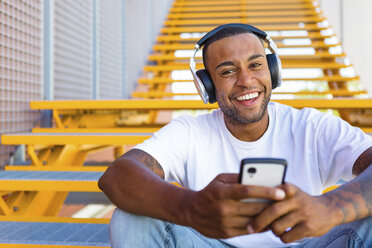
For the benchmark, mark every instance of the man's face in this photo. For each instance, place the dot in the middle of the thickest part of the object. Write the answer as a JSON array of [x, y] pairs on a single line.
[[240, 73]]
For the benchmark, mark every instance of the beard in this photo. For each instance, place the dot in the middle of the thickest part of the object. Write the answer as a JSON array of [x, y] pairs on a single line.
[[236, 118]]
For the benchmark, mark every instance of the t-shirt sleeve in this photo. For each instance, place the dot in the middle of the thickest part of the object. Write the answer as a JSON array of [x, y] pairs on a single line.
[[169, 146], [339, 145]]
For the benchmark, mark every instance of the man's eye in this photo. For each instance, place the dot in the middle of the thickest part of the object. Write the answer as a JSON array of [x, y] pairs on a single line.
[[254, 65], [227, 72]]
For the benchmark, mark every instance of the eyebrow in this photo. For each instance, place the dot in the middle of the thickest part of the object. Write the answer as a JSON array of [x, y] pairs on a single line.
[[227, 63]]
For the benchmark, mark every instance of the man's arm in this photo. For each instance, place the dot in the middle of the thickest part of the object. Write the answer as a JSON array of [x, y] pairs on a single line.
[[134, 183], [316, 215], [354, 198]]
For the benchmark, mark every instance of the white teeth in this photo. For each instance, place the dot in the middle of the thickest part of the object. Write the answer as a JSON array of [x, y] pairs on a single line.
[[248, 96]]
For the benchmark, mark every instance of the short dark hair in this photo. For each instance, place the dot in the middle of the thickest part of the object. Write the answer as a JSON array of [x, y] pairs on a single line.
[[224, 33]]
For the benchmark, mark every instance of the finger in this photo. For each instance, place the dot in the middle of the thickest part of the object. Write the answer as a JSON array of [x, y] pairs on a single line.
[[250, 209], [270, 214], [235, 232], [289, 189], [228, 178], [239, 222], [240, 192], [281, 225], [296, 233]]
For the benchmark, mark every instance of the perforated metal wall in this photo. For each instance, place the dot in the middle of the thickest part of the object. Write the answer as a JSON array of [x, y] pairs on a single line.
[[73, 49], [353, 20], [33, 31], [110, 49], [143, 20], [20, 66]]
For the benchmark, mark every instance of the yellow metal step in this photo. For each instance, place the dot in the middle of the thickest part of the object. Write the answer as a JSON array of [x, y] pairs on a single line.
[[193, 40], [336, 78], [235, 14], [286, 64], [174, 47], [93, 168], [226, 6], [248, 19], [136, 129], [73, 139], [239, 2], [154, 94], [268, 27], [319, 56], [339, 103], [56, 181]]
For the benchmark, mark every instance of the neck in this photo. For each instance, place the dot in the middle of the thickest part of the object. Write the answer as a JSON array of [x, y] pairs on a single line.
[[248, 132]]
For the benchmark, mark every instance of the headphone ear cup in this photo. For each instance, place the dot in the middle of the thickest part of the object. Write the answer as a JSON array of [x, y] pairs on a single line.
[[206, 79], [274, 69]]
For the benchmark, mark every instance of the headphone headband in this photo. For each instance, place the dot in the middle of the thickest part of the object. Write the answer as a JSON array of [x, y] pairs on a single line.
[[254, 30]]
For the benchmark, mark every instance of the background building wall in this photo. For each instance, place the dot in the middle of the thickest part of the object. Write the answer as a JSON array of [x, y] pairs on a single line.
[[67, 49], [110, 49], [72, 49], [20, 66], [351, 20], [143, 22]]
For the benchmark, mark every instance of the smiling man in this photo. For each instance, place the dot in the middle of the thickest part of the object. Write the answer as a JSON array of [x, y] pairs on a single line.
[[203, 155]]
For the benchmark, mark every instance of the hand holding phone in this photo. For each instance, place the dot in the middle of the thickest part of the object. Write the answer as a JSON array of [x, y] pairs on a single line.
[[269, 172]]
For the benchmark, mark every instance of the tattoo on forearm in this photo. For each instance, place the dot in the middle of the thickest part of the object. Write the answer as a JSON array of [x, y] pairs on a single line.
[[355, 197], [147, 160], [364, 160]]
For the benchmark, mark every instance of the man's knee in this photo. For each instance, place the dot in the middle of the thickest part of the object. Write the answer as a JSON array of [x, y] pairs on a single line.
[[127, 230]]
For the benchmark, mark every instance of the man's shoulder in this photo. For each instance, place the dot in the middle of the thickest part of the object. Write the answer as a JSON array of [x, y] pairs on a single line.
[[204, 119], [295, 117], [284, 109]]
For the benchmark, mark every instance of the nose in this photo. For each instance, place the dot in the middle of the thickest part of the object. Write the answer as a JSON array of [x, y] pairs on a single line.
[[245, 78]]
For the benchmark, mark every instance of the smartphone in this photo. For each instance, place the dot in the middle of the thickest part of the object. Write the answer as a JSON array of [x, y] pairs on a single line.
[[268, 172]]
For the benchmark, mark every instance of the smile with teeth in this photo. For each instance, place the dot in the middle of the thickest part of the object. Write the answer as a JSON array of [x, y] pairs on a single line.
[[247, 96]]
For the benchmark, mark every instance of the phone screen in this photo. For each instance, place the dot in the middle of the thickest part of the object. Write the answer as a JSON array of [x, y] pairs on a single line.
[[269, 172]]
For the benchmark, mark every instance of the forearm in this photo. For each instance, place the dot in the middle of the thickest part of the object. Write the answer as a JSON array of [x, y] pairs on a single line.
[[136, 189], [353, 200]]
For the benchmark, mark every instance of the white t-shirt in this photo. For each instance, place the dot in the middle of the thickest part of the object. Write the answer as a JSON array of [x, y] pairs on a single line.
[[320, 150]]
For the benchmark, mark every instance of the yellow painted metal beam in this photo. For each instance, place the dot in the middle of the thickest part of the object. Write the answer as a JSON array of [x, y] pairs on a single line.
[[93, 168], [287, 64], [73, 139], [190, 104], [52, 185], [47, 246], [310, 58], [55, 219], [136, 129], [241, 7], [225, 14], [239, 2], [275, 36], [175, 47], [268, 27], [154, 94], [248, 19], [325, 78]]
